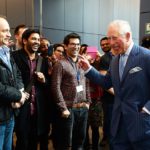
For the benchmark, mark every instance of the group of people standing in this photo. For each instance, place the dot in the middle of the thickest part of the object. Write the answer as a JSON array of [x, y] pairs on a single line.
[[27, 82], [36, 89]]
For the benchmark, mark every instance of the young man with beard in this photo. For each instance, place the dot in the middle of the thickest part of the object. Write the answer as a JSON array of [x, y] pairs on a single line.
[[71, 95], [107, 57], [32, 122], [44, 46], [11, 88], [107, 98]]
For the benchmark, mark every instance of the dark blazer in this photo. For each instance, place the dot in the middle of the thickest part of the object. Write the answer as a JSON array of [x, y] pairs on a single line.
[[105, 61], [10, 83], [131, 93], [42, 101]]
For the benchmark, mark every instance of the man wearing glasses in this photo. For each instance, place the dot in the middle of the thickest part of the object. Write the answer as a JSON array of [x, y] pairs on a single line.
[[71, 95]]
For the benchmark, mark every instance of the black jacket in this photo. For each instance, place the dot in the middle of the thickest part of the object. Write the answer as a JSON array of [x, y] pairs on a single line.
[[42, 100], [10, 83]]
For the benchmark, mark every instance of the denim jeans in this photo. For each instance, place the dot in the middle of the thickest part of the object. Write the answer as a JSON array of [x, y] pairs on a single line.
[[6, 133], [71, 131]]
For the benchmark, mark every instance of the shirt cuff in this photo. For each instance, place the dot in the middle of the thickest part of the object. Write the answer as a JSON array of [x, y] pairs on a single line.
[[88, 70], [146, 110]]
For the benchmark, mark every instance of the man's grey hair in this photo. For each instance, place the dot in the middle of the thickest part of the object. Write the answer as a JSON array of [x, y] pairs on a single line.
[[122, 25]]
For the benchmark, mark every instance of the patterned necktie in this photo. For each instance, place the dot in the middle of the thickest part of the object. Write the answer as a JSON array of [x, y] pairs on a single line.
[[122, 63]]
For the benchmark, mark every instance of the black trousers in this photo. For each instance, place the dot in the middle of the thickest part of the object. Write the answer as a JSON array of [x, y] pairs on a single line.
[[27, 138]]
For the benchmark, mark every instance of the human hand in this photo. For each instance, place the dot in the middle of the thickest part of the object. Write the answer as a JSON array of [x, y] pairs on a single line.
[[87, 105], [25, 96], [83, 63], [40, 77], [65, 113], [16, 105], [145, 111], [142, 111]]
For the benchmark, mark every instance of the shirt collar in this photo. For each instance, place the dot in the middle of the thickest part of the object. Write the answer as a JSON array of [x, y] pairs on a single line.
[[4, 49], [129, 49]]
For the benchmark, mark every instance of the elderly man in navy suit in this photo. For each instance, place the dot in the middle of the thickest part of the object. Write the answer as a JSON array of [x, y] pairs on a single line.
[[129, 75]]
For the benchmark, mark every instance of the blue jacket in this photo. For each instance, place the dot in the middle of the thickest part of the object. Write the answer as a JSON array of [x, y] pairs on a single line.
[[132, 93]]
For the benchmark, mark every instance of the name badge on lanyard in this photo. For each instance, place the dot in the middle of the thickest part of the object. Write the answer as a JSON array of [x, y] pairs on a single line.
[[79, 88]]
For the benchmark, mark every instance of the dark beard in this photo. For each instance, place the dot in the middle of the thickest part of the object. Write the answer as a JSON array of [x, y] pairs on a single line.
[[30, 50]]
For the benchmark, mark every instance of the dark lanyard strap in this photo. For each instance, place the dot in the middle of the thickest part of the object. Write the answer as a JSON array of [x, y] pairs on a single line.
[[74, 66]]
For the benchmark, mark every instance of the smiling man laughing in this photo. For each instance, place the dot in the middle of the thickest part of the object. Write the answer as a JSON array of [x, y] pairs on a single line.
[[71, 95], [32, 122]]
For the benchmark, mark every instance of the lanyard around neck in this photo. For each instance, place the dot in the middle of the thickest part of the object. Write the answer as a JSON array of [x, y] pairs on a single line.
[[75, 67]]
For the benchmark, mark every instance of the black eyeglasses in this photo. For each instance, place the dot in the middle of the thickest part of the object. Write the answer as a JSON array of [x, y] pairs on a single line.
[[74, 44]]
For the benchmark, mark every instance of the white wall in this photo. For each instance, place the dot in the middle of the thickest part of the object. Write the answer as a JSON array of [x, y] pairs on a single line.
[[17, 12], [89, 18]]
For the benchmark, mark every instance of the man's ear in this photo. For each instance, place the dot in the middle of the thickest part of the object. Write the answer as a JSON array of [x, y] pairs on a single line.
[[24, 41], [16, 36], [65, 46], [128, 36]]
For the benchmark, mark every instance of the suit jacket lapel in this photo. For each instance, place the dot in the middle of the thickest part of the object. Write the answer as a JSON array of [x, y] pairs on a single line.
[[130, 62]]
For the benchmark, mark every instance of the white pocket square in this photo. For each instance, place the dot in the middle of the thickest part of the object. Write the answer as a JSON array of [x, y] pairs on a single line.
[[135, 69]]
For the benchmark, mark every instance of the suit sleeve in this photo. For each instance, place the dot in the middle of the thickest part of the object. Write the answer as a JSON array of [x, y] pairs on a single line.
[[97, 78]]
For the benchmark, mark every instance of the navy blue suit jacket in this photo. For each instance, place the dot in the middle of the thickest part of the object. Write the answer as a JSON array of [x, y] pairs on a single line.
[[132, 93]]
